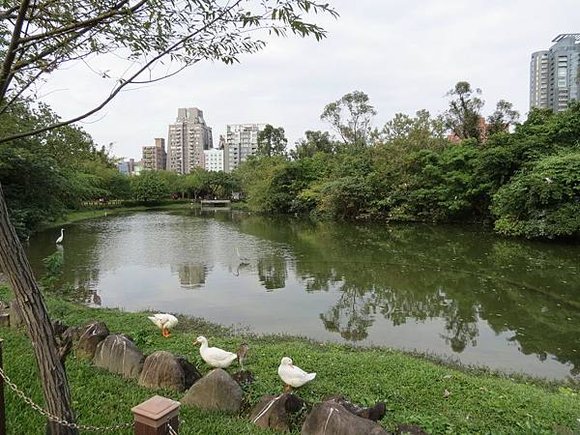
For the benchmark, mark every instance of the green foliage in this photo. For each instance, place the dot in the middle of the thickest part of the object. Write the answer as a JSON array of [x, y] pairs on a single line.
[[150, 187], [543, 201], [53, 264], [350, 116], [315, 142], [463, 117], [415, 173], [271, 142]]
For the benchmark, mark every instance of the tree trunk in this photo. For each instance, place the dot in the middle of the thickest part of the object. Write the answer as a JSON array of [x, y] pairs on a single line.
[[15, 265]]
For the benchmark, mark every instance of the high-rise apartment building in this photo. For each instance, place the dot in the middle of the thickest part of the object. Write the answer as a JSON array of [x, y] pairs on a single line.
[[187, 138], [154, 157], [555, 74], [213, 160], [241, 142]]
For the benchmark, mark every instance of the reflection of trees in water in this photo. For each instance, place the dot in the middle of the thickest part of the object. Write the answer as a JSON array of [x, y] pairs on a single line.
[[352, 315], [272, 271], [423, 272]]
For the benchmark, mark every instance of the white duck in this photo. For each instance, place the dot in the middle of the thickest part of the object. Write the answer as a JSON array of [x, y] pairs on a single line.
[[293, 376], [214, 356], [164, 321]]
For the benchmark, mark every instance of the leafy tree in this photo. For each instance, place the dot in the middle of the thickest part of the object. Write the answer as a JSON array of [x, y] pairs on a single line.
[[502, 118], [39, 37], [351, 116], [150, 186], [463, 117], [271, 142], [543, 201], [315, 142], [418, 132]]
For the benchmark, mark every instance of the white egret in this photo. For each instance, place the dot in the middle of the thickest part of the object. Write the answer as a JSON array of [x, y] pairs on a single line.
[[59, 240]]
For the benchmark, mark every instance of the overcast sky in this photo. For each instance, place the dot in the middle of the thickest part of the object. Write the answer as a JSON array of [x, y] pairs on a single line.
[[404, 54]]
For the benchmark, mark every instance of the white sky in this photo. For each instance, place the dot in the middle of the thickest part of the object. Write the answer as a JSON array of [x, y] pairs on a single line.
[[405, 54]]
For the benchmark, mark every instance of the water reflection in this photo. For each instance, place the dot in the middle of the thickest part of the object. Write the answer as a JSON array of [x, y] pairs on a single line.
[[507, 304]]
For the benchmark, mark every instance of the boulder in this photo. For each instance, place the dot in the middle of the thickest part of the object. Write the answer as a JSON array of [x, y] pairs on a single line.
[[216, 391], [16, 318], [118, 354], [93, 334], [274, 411], [332, 418], [192, 375], [4, 320], [374, 413], [243, 377], [162, 369]]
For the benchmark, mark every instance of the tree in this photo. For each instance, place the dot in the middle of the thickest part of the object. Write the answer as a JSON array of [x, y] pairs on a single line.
[[39, 37], [542, 201], [502, 118], [414, 133], [355, 128], [150, 187], [271, 142], [315, 142], [463, 117]]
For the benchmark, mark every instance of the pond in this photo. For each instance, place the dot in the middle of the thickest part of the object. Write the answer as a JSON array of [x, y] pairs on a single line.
[[460, 293]]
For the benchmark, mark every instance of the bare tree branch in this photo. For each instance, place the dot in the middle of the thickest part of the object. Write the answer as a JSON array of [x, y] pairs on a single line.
[[6, 74], [124, 83]]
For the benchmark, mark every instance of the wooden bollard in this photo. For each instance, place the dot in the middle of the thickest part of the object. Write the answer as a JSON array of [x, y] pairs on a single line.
[[156, 415]]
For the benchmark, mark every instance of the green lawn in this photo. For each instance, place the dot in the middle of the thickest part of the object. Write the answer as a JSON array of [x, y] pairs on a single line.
[[413, 387]]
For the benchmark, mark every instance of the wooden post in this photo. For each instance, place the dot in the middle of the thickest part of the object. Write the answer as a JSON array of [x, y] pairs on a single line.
[[155, 415], [2, 404]]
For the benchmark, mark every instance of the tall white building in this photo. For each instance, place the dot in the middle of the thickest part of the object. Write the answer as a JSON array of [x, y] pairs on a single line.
[[188, 137], [539, 79], [555, 74], [213, 160], [241, 141]]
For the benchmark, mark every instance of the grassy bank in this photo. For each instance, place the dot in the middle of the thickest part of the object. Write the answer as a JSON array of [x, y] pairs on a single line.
[[413, 388], [97, 211]]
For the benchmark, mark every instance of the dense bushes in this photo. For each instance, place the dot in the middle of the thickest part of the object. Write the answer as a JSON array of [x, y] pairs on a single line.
[[527, 181], [543, 201]]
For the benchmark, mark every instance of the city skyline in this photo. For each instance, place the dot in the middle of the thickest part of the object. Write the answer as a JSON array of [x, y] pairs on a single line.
[[405, 56]]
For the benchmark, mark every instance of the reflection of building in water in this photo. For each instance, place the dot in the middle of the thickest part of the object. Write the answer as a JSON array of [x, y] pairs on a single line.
[[272, 272], [191, 275]]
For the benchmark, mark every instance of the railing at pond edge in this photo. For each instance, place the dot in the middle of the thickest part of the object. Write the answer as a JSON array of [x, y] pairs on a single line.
[[156, 416]]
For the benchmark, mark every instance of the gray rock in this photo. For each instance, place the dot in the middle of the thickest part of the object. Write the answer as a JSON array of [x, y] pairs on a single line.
[[192, 375], [216, 391], [16, 318], [332, 418], [374, 413], [118, 354], [161, 369], [274, 411], [93, 334]]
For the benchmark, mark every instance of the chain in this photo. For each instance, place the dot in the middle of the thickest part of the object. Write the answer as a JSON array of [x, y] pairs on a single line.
[[55, 418], [171, 430]]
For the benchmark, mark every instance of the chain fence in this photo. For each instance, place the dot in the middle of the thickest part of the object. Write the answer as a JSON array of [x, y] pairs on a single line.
[[59, 420]]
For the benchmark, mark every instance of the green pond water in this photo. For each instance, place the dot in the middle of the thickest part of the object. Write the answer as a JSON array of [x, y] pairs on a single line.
[[460, 293]]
